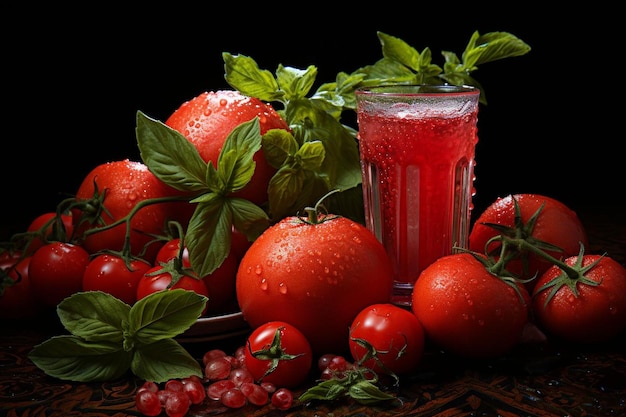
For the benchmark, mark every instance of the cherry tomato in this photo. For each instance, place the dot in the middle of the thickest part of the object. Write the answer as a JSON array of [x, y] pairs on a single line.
[[555, 223], [206, 121], [44, 223], [220, 283], [109, 273], [468, 311], [157, 279], [56, 271], [316, 274], [17, 300], [582, 310], [278, 353], [121, 186], [393, 333]]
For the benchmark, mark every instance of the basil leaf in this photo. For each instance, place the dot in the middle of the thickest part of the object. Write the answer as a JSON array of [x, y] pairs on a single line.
[[169, 155], [163, 315], [209, 234], [71, 358], [364, 392], [94, 316], [164, 360]]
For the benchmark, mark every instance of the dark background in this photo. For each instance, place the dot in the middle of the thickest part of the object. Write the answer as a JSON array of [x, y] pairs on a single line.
[[74, 80]]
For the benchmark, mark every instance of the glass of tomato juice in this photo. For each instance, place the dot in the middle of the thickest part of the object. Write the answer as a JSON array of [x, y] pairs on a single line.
[[417, 146]]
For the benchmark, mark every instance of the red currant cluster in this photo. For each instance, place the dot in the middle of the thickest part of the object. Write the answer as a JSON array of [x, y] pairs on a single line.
[[226, 384]]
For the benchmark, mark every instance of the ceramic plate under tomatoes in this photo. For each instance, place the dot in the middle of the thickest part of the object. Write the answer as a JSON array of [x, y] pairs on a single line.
[[215, 328]]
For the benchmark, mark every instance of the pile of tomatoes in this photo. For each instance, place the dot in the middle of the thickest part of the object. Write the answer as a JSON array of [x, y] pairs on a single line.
[[324, 276]]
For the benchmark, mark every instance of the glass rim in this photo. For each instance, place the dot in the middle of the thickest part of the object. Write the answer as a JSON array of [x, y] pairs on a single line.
[[417, 90]]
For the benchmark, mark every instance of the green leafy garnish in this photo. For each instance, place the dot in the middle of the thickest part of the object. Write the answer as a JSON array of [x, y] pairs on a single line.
[[109, 337], [358, 384]]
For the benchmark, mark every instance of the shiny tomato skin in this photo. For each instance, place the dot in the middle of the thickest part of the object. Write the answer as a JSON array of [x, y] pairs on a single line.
[[150, 283], [18, 299], [127, 183], [220, 283], [109, 273], [557, 224], [466, 310], [290, 373], [206, 121], [395, 333], [56, 271], [317, 277], [40, 221], [596, 315]]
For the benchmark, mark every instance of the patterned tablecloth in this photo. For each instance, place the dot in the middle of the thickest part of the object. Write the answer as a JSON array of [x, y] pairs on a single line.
[[534, 380]]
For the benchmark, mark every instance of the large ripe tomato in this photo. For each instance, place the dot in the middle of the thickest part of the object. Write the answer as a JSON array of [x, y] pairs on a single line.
[[109, 273], [56, 271], [317, 275], [556, 224], [468, 311], [17, 299], [393, 332], [125, 184], [44, 225], [220, 283], [278, 353], [206, 121], [578, 311], [158, 279]]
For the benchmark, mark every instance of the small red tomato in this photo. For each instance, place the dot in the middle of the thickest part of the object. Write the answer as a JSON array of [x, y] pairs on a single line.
[[109, 273], [121, 185], [278, 353], [157, 279], [56, 271], [220, 283], [590, 308], [44, 223], [393, 333], [17, 300]]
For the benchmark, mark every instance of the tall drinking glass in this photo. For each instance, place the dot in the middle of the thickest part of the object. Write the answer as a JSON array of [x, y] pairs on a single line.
[[417, 146]]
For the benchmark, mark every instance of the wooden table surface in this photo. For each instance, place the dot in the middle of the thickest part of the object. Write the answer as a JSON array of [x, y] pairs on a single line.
[[549, 379]]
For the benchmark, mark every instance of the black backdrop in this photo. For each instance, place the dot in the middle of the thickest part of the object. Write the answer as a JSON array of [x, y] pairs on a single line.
[[74, 80]]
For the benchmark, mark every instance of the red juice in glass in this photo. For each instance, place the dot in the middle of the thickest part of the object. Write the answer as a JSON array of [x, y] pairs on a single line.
[[417, 148]]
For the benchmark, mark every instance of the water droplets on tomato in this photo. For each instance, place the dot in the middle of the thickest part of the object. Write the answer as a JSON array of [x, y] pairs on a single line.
[[282, 288]]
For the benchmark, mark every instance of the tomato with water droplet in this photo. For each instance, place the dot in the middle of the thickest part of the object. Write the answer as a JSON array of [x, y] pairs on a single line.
[[206, 121], [468, 311], [110, 191], [315, 274]]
